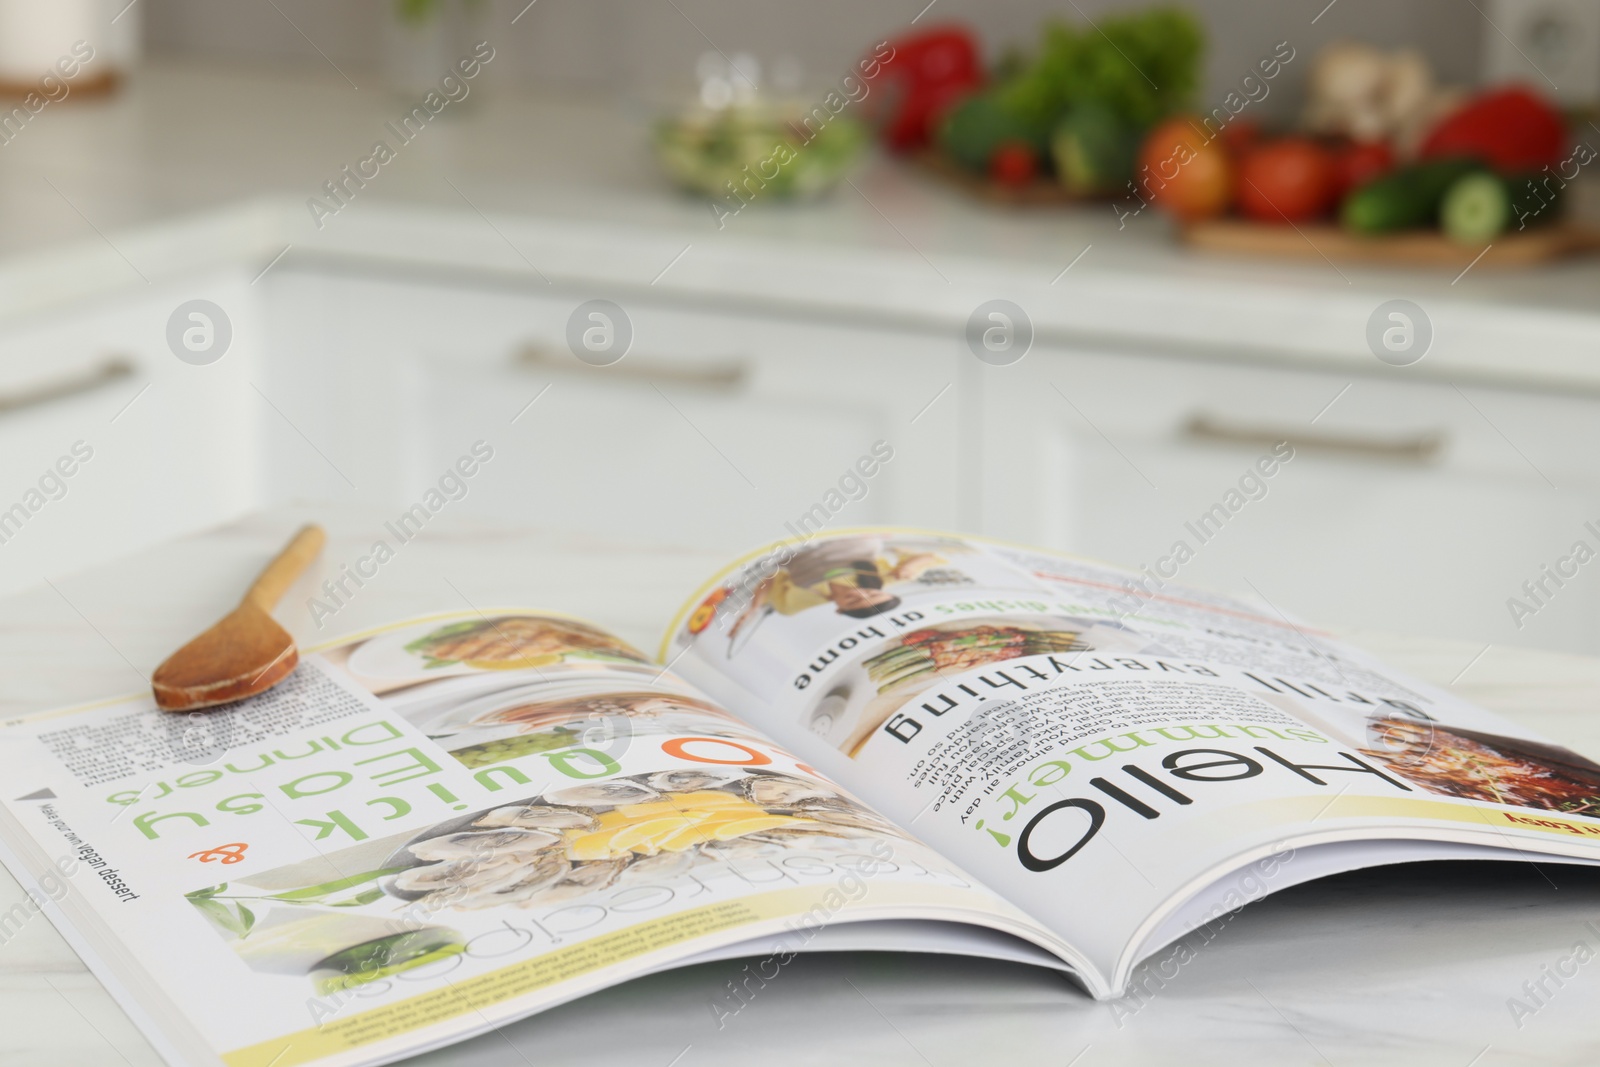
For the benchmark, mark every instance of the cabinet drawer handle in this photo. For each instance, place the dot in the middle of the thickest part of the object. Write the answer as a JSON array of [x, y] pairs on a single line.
[[723, 374], [1418, 448], [103, 373]]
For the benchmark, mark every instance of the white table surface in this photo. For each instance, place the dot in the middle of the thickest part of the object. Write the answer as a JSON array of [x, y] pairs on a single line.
[[1411, 967]]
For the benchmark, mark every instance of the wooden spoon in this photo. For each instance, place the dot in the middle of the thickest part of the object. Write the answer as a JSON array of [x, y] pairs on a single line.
[[246, 652]]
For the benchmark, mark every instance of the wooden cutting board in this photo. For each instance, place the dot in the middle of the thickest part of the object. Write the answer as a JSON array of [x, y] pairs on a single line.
[[1416, 249]]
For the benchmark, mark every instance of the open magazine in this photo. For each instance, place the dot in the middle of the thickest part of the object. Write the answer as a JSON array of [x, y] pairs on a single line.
[[875, 739]]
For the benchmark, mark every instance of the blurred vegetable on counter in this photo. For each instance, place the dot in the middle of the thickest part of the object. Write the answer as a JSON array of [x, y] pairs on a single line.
[[1366, 93], [921, 78], [1142, 67], [1014, 163], [1475, 208], [1187, 174], [1384, 150], [1080, 103], [1292, 179], [1406, 198], [1510, 129], [1093, 150], [977, 127], [1483, 168], [1101, 109], [1468, 201]]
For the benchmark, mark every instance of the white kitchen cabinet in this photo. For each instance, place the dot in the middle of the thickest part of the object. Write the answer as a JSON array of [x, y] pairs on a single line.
[[170, 446], [1408, 505], [718, 428]]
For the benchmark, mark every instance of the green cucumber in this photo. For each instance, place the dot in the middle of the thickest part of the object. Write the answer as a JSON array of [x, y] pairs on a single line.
[[1404, 199], [1476, 208]]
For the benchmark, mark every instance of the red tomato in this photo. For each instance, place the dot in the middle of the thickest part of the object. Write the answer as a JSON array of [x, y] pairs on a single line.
[[1291, 180], [1014, 163], [1359, 162], [1185, 172]]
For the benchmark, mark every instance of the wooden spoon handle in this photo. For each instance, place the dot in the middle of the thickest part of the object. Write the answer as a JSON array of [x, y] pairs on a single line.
[[286, 567]]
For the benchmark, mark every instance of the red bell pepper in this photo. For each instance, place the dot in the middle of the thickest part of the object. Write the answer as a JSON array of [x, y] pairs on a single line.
[[1511, 129], [925, 73]]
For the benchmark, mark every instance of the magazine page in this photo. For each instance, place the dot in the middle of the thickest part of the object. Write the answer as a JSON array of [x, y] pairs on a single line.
[[1105, 747], [433, 828]]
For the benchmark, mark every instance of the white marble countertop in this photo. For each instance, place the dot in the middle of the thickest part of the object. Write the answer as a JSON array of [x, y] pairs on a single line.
[[192, 167], [1410, 967]]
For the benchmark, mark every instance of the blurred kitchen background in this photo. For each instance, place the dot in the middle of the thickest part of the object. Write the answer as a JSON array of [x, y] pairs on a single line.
[[682, 263], [613, 48]]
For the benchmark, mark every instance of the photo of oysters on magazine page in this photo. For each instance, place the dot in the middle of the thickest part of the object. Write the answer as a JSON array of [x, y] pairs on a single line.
[[572, 845]]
